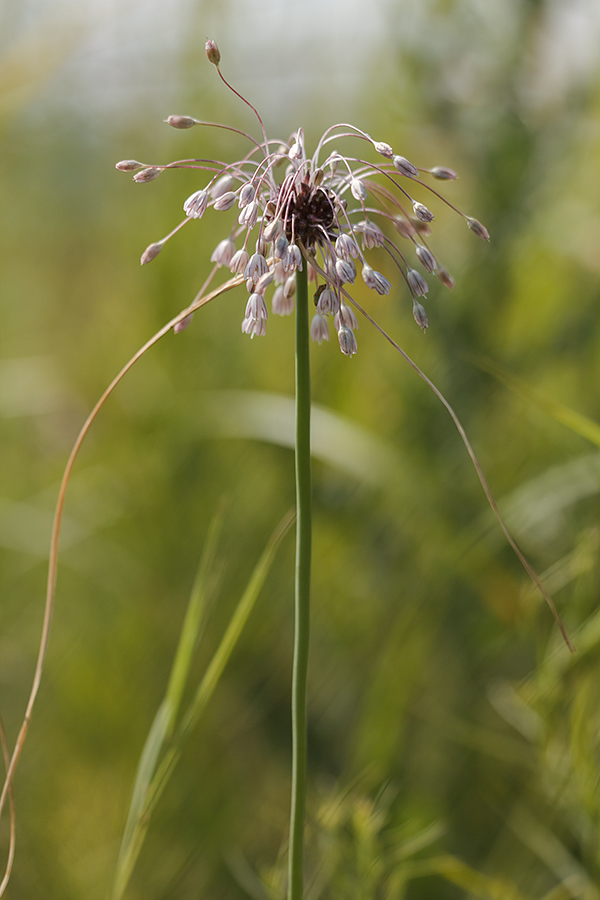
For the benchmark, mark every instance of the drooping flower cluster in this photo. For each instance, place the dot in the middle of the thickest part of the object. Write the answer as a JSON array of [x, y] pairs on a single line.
[[323, 211]]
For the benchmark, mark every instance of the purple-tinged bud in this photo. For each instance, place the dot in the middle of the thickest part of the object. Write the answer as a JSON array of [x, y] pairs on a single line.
[[273, 230], [375, 280], [417, 283], [249, 285], [345, 270], [280, 248], [420, 316], [151, 252], [427, 258], [421, 212], [345, 317], [181, 121], [348, 344], [289, 287], [317, 177], [443, 174], [146, 175], [196, 204], [181, 326], [404, 228], [238, 262], [225, 201], [296, 151], [247, 195], [129, 165], [212, 53], [358, 190], [384, 149], [328, 303], [263, 282], [445, 277], [256, 308], [292, 259], [280, 304], [319, 329], [256, 267], [405, 167], [222, 185], [346, 247], [223, 252], [248, 215], [475, 226], [372, 235]]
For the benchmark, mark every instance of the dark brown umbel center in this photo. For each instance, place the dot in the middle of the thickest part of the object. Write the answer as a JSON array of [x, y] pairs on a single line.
[[311, 211]]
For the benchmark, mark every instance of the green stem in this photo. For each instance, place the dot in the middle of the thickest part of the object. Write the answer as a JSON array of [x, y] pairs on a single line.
[[302, 602]]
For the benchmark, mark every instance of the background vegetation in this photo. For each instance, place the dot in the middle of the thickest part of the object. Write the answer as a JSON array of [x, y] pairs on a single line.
[[442, 704]]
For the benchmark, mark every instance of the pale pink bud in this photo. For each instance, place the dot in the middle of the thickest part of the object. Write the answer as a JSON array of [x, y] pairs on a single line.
[[346, 247], [375, 280], [405, 167], [225, 201], [146, 175], [476, 227], [292, 259], [222, 185], [280, 304], [319, 329], [445, 277], [443, 174], [248, 215], [421, 212], [223, 252], [195, 204], [289, 287], [317, 177], [273, 230], [256, 307], [256, 267], [181, 121], [404, 228], [212, 52], [296, 151], [254, 327], [328, 303], [427, 258], [280, 248], [345, 317], [417, 283], [358, 190], [247, 195], [345, 270], [128, 165], [150, 253], [238, 262], [420, 315], [372, 235], [348, 344], [384, 149], [181, 326]]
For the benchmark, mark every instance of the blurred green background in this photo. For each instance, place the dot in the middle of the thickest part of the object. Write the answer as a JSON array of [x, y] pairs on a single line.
[[440, 694]]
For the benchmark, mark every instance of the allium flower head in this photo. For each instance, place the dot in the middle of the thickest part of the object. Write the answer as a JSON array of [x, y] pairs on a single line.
[[325, 211]]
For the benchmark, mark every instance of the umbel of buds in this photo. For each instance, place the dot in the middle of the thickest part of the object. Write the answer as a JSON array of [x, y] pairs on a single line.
[[328, 211]]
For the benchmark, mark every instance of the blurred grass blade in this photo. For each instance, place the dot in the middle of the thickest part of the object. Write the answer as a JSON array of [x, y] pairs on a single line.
[[151, 778], [577, 422], [164, 721], [486, 887]]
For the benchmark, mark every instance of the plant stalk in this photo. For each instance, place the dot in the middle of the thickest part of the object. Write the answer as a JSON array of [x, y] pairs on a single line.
[[302, 589]]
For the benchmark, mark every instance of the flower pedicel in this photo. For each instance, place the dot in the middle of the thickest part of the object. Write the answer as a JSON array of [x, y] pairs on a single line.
[[325, 212]]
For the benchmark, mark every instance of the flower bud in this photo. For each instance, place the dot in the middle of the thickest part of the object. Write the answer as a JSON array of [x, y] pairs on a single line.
[[225, 201], [421, 212], [181, 121], [358, 190], [151, 252], [445, 277], [420, 316], [147, 175], [405, 167], [443, 174], [347, 341], [128, 165], [238, 262], [281, 304], [181, 326], [384, 149], [212, 53], [223, 252], [319, 329], [427, 258], [417, 283], [475, 226], [195, 205]]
